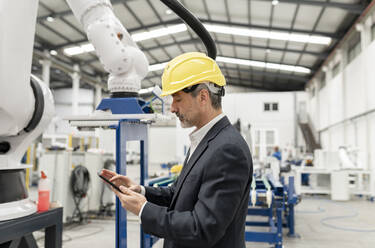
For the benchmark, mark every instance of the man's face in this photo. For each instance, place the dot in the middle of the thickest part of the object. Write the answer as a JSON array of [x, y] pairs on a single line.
[[186, 108]]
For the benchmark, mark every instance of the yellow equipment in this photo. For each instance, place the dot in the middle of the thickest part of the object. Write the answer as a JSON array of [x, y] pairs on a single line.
[[176, 169], [190, 69]]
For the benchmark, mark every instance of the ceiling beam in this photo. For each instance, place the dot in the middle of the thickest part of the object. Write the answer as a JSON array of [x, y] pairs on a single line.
[[69, 12], [236, 81], [296, 78], [130, 30], [349, 7], [352, 8], [322, 55], [270, 86], [232, 24], [295, 85]]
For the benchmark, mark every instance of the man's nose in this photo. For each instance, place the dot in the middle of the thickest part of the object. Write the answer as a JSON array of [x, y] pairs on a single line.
[[173, 107]]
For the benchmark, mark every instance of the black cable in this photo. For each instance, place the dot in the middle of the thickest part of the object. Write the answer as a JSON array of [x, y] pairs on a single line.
[[194, 23], [79, 182]]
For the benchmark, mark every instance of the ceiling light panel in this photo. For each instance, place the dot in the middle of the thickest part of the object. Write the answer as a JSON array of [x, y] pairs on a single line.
[[159, 32], [84, 48], [245, 62], [265, 34], [157, 67], [260, 64]]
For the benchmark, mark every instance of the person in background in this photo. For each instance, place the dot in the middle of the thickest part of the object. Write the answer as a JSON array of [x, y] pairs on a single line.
[[276, 153]]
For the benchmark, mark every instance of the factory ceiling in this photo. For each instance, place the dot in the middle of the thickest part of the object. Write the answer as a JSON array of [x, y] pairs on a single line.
[[274, 45]]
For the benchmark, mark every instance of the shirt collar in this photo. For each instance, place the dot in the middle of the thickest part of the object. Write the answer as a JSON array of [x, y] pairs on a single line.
[[198, 134]]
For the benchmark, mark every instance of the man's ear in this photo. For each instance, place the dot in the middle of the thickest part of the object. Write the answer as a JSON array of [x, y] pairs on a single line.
[[204, 96]]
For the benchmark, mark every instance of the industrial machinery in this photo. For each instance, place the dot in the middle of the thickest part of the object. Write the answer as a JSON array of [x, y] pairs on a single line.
[[26, 105], [274, 200], [339, 174], [60, 165]]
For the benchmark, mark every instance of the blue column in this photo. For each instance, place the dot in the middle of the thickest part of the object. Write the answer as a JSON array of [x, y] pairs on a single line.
[[129, 130]]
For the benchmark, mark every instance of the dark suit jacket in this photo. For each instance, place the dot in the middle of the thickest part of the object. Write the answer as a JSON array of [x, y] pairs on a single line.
[[207, 205]]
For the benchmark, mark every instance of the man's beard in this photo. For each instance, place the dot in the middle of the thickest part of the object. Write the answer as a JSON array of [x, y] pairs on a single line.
[[184, 123]]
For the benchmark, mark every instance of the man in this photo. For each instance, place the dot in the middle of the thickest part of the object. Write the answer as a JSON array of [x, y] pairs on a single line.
[[276, 153], [207, 205]]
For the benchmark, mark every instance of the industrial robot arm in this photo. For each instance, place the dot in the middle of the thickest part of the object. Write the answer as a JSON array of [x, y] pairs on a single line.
[[117, 52], [26, 104]]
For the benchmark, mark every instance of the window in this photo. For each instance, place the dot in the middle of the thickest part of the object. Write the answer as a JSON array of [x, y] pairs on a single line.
[[264, 142], [336, 69], [275, 106], [373, 31], [271, 106], [270, 137], [354, 47], [267, 107]]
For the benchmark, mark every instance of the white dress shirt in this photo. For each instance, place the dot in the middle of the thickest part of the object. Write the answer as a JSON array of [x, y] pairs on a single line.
[[198, 134], [195, 138]]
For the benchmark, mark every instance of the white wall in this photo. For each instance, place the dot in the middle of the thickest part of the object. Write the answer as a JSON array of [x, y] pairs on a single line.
[[162, 144], [63, 106], [249, 107], [341, 102], [344, 110]]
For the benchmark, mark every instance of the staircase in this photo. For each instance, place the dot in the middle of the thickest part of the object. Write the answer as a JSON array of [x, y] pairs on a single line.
[[311, 142]]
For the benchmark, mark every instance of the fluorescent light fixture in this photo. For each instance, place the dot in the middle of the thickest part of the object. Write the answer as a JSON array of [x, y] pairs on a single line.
[[71, 51], [50, 19], [53, 52], [85, 48], [265, 34], [168, 12], [251, 63], [259, 64], [159, 32], [275, 2], [157, 67]]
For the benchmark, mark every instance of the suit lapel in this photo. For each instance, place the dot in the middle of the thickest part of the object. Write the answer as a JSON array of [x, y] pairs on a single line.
[[197, 153]]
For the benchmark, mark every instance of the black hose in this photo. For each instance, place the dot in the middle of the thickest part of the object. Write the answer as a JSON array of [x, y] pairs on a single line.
[[194, 23], [79, 182]]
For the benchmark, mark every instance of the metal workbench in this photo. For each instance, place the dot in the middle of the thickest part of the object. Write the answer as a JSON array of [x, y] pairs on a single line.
[[18, 233]]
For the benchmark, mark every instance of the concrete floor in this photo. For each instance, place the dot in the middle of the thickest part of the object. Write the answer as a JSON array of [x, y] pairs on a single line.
[[316, 223]]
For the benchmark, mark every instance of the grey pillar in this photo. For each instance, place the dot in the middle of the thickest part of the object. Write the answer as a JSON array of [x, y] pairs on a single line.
[[75, 89], [46, 63]]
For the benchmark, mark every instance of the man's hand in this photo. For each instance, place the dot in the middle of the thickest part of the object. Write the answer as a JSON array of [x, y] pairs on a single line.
[[130, 200], [119, 180]]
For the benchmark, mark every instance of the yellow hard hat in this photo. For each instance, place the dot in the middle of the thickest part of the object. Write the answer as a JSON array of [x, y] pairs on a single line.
[[189, 69]]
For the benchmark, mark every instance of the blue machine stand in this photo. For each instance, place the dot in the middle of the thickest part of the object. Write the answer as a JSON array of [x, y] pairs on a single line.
[[292, 200], [128, 130], [131, 118], [279, 214]]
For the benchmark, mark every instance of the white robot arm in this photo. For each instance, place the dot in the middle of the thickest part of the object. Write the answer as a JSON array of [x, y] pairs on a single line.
[[117, 52], [26, 104]]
